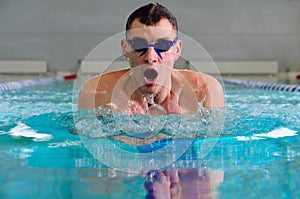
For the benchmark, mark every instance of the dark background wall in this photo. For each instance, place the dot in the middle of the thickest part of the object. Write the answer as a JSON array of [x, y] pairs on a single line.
[[64, 31]]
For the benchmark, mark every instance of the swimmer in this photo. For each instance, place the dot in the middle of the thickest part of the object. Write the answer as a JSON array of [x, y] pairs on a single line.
[[151, 84]]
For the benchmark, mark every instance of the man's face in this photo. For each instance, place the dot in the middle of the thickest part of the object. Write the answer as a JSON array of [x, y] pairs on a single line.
[[152, 51]]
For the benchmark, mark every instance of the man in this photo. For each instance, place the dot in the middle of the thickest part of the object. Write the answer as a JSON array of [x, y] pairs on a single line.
[[151, 85]]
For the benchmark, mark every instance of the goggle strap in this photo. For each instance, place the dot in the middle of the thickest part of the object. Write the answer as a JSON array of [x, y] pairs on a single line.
[[174, 41], [144, 52], [156, 50], [158, 53]]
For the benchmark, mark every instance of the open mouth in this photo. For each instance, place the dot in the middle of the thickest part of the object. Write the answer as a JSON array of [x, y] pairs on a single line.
[[150, 76]]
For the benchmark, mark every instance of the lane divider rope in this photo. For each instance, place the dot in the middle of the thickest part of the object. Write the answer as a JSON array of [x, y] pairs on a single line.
[[250, 84], [34, 82], [264, 85]]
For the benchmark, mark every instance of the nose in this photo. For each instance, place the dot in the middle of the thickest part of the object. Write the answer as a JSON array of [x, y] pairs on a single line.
[[151, 56]]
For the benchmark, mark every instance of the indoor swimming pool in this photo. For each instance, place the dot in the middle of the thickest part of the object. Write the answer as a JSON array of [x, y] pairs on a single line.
[[257, 154]]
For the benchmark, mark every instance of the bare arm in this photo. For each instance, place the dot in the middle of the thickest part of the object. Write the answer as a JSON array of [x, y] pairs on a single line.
[[214, 94]]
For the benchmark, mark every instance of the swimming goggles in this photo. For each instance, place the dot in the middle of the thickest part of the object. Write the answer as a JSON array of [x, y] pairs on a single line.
[[141, 45]]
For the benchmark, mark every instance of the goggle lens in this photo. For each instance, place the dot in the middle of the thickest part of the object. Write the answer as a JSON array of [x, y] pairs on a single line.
[[141, 45]]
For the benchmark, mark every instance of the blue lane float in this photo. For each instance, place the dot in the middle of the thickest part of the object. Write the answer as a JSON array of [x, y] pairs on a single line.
[[264, 85], [26, 83]]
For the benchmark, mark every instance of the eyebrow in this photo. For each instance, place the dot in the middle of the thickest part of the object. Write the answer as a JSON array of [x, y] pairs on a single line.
[[163, 38]]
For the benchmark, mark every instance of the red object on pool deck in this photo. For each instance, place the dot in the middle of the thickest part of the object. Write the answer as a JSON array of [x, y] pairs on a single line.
[[72, 76], [298, 76]]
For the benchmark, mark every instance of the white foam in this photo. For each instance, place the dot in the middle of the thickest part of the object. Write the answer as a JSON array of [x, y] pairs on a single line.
[[244, 138], [64, 144], [22, 130], [278, 133]]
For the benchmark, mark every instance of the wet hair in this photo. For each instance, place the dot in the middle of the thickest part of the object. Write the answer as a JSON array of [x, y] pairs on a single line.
[[150, 15]]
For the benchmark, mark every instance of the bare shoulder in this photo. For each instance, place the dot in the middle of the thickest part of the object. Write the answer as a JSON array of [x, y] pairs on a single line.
[[103, 81], [205, 86], [212, 82], [97, 90]]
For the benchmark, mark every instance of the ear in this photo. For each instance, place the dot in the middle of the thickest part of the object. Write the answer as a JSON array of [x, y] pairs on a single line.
[[123, 47], [178, 49]]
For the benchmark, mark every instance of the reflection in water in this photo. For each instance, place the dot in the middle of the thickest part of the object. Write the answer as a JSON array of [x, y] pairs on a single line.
[[171, 183], [266, 168], [182, 183]]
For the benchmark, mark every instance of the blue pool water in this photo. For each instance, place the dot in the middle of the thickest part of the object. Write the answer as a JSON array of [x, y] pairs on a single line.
[[257, 154]]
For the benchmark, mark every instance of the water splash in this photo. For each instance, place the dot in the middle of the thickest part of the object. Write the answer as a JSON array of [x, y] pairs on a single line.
[[105, 121], [22, 130]]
